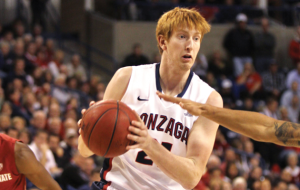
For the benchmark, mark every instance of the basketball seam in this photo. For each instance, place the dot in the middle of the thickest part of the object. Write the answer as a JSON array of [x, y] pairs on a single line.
[[112, 136], [96, 124]]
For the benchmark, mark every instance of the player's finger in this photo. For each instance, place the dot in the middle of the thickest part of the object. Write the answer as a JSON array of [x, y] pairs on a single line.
[[79, 123], [132, 147], [92, 103], [83, 111], [79, 131], [192, 109], [138, 124], [170, 98], [134, 130], [134, 138]]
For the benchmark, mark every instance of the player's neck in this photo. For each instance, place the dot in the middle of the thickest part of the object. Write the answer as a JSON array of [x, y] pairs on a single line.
[[172, 79]]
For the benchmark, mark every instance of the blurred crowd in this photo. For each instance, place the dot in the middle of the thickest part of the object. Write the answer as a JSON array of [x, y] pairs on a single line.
[[248, 78], [214, 11], [42, 91]]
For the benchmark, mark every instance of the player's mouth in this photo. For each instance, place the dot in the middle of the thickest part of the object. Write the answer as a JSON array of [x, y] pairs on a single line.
[[187, 58]]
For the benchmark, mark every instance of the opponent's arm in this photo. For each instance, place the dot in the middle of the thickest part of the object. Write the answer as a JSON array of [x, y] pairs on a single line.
[[28, 165], [185, 170], [254, 125], [115, 90]]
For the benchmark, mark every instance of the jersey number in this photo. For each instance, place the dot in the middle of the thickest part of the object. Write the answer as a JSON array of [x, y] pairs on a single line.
[[141, 156]]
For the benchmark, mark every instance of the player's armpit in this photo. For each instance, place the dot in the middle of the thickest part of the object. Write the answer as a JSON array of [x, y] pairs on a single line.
[[287, 133], [28, 165]]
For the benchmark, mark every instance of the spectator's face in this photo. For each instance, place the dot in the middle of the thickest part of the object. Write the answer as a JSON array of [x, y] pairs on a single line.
[[229, 155], [18, 84], [273, 68], [240, 186], [5, 49], [242, 25], [50, 44], [8, 36], [20, 65], [55, 126], [19, 124], [53, 142], [24, 138], [89, 165], [295, 101], [31, 49], [256, 185], [265, 24], [20, 30], [249, 147], [6, 109], [281, 186], [137, 51], [39, 120], [37, 73], [70, 123], [266, 185], [71, 114], [15, 97], [5, 122], [256, 173], [227, 186], [41, 55], [73, 83], [295, 86], [39, 41], [75, 60], [273, 106], [293, 160], [41, 139], [13, 133], [248, 103], [59, 56], [19, 49], [54, 110], [232, 171]]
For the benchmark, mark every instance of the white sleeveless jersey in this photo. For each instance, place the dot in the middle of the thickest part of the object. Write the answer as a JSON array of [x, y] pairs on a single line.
[[168, 123]]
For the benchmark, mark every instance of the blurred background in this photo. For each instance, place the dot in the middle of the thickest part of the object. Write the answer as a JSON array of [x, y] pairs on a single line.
[[58, 55]]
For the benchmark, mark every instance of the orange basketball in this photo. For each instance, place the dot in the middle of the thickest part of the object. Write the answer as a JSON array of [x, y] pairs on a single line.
[[105, 128]]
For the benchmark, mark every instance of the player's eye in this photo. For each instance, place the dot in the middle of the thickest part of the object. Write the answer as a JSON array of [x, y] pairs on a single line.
[[196, 38], [182, 36]]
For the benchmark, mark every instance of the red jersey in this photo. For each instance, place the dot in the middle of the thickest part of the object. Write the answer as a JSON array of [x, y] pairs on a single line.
[[10, 178]]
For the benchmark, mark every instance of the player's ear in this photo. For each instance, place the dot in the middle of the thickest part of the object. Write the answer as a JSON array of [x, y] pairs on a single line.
[[162, 42]]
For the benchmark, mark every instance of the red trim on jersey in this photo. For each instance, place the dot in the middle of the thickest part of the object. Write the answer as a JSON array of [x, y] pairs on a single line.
[[105, 172], [106, 185]]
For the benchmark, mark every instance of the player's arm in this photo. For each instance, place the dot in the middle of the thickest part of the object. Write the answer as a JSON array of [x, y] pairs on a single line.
[[28, 165], [115, 90], [188, 170], [254, 125]]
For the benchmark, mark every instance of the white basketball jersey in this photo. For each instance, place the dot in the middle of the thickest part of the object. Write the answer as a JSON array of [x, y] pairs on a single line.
[[168, 123]]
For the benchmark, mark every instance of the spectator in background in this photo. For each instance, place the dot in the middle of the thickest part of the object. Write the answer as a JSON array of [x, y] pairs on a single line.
[[294, 109], [250, 82], [76, 69], [239, 183], [239, 44], [255, 175], [12, 132], [25, 136], [6, 108], [136, 57], [219, 66], [273, 81], [73, 174], [265, 43], [280, 185], [294, 49], [8, 58], [292, 168], [18, 73], [284, 114], [30, 57], [293, 75], [39, 42], [231, 171], [42, 152], [56, 63], [56, 150], [60, 92], [286, 176], [200, 66], [271, 108], [289, 93], [266, 184], [19, 123], [5, 122], [38, 122]]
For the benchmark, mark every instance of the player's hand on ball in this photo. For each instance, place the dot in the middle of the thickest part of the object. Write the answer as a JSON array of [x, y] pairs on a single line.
[[192, 107], [139, 134], [79, 123]]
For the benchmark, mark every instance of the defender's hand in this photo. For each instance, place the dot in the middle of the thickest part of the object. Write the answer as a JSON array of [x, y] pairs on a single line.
[[192, 107], [139, 134]]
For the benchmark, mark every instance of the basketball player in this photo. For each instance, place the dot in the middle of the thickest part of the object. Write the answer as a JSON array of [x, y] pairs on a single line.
[[251, 124], [172, 147], [17, 161]]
